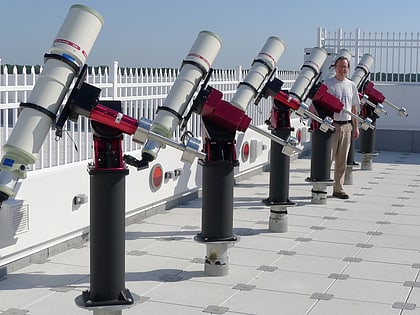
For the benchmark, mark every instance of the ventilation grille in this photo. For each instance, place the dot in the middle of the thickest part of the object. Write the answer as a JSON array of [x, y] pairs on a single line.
[[20, 219]]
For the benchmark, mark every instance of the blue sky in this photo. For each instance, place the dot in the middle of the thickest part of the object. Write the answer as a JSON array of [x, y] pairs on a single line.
[[159, 33]]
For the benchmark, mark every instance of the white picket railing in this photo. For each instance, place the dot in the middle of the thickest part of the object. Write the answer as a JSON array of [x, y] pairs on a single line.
[[397, 57], [140, 91]]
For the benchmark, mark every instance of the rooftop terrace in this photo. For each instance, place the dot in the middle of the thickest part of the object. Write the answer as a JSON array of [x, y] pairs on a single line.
[[356, 256]]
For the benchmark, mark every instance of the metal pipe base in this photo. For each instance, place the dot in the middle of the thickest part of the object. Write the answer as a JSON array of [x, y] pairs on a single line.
[[319, 193], [106, 309], [367, 160], [216, 260], [278, 219], [105, 312]]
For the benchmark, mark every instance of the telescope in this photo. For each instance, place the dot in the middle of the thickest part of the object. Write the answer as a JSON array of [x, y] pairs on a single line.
[[195, 67], [369, 94], [263, 67], [360, 77], [220, 122], [62, 64], [232, 115], [295, 98], [84, 101]]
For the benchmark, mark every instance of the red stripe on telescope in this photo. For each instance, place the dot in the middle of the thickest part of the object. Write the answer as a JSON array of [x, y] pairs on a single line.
[[201, 57], [67, 42], [269, 56]]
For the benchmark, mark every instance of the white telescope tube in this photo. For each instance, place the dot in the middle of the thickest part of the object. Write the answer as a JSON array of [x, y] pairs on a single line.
[[306, 79], [308, 72], [67, 54], [194, 68], [262, 66], [362, 69]]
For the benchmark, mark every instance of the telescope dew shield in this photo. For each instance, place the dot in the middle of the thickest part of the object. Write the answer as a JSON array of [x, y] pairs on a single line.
[[362, 70], [67, 54], [262, 66], [78, 33], [193, 69], [308, 72]]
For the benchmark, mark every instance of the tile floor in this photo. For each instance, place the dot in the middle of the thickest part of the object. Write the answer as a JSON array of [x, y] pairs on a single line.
[[356, 256]]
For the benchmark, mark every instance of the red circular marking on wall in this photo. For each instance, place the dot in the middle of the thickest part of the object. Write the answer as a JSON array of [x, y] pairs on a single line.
[[245, 152], [156, 177]]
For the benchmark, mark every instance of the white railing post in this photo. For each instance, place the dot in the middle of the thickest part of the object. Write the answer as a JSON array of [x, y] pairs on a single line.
[[320, 41], [356, 48], [339, 39], [113, 77], [239, 74]]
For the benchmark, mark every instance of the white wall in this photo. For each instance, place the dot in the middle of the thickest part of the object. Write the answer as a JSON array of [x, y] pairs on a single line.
[[400, 94]]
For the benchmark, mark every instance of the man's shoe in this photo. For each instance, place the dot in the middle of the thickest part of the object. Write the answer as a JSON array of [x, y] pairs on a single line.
[[341, 195]]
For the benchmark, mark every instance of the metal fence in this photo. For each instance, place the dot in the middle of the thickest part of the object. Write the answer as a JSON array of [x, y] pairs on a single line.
[[396, 54], [140, 90]]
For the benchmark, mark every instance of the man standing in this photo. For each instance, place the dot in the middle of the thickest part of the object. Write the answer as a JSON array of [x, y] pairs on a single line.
[[345, 90]]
